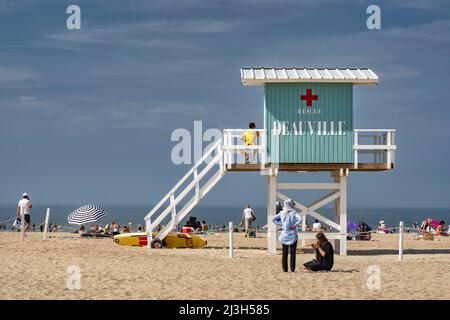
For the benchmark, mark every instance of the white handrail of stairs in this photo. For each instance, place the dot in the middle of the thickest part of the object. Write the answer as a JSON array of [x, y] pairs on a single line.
[[199, 193], [182, 180]]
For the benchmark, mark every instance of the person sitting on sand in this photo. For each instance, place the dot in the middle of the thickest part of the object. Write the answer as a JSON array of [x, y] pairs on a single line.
[[82, 230], [324, 254], [440, 230], [194, 223], [426, 225], [115, 228], [381, 228]]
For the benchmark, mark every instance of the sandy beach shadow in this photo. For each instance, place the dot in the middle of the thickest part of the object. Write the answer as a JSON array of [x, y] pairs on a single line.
[[376, 252]]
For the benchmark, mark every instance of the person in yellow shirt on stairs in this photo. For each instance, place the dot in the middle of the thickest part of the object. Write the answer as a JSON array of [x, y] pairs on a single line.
[[249, 138]]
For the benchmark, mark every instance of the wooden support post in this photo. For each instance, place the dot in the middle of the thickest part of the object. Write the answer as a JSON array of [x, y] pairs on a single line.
[[337, 215], [220, 152], [400, 241], [340, 211], [343, 212], [22, 228], [230, 237], [304, 229], [148, 230], [174, 209], [47, 217], [389, 151], [355, 151], [271, 209], [197, 186], [230, 152]]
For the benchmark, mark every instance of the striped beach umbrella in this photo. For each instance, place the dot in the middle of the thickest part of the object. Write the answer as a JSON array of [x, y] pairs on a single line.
[[86, 214]]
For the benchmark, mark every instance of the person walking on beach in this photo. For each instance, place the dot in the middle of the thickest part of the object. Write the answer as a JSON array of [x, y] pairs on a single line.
[[289, 219], [247, 217], [249, 138], [23, 210]]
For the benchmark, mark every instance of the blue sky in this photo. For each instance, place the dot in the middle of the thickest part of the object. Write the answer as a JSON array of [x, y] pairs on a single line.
[[86, 115]]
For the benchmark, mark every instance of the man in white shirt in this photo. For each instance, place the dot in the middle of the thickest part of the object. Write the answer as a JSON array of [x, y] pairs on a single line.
[[23, 210], [247, 217], [317, 226]]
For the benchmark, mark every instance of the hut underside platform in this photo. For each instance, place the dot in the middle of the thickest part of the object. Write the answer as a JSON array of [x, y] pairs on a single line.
[[310, 167]]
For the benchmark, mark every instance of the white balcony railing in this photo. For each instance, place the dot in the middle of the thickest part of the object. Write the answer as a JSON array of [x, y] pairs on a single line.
[[379, 142]]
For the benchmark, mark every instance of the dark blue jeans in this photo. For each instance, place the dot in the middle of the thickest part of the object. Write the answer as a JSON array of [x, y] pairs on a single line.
[[292, 250]]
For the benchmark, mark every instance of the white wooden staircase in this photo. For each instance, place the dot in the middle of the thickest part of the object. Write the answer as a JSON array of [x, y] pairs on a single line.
[[213, 159]]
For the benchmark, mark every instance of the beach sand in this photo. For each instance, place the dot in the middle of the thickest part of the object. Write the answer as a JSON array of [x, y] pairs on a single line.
[[37, 269]]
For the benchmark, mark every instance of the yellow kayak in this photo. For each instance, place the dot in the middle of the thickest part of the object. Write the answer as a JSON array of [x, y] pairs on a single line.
[[172, 240]]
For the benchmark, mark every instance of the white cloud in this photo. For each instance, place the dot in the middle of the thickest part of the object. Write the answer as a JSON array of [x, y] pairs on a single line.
[[27, 98], [144, 34], [433, 31], [83, 111], [152, 113], [420, 4], [16, 74]]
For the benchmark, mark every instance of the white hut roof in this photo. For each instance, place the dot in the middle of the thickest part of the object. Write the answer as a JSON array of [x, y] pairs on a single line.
[[252, 76]]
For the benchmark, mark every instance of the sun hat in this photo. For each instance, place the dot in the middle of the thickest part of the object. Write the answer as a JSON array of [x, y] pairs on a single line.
[[25, 194]]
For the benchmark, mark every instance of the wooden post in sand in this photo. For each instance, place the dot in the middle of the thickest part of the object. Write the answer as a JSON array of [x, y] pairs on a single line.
[[47, 216], [22, 227], [400, 241], [230, 237]]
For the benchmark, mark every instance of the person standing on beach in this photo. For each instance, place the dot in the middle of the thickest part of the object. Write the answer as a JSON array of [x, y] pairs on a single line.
[[279, 207], [249, 138], [289, 219], [247, 217], [23, 210]]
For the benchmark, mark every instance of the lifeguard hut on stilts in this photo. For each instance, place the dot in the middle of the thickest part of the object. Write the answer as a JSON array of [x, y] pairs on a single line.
[[308, 127]]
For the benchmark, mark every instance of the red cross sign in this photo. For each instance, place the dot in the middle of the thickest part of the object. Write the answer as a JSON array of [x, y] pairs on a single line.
[[309, 97]]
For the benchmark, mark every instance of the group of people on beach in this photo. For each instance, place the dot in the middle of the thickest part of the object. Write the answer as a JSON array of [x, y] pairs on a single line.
[[289, 220], [429, 226], [110, 229]]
